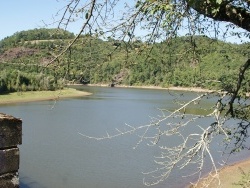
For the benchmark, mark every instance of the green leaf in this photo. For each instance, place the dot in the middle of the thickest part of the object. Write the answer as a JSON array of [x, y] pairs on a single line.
[[219, 1]]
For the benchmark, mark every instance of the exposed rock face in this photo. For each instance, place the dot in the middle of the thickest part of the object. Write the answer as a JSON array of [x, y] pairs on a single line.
[[117, 79], [17, 52], [10, 137]]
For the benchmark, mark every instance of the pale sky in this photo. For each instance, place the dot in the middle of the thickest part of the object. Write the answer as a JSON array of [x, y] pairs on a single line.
[[19, 15]]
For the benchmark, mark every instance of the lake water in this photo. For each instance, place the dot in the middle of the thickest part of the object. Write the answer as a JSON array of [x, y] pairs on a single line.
[[53, 154]]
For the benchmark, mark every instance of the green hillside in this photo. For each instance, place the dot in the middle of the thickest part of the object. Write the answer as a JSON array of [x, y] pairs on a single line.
[[187, 61]]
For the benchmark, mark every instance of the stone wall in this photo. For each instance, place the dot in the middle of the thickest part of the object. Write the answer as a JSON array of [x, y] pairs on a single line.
[[10, 137]]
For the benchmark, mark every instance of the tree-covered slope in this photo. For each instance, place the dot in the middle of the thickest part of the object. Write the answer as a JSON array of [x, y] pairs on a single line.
[[19, 38], [187, 61]]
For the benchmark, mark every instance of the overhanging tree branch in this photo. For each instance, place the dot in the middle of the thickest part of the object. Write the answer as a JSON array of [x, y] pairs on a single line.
[[88, 18], [239, 84], [165, 18], [225, 11]]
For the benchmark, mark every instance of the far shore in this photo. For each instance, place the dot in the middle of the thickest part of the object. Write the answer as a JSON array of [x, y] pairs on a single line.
[[194, 89], [31, 96]]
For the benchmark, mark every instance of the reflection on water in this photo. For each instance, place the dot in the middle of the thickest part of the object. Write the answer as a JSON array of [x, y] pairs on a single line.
[[53, 154]]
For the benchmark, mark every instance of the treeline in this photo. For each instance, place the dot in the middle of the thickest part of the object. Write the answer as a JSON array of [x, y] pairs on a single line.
[[22, 59], [196, 62], [187, 61], [16, 81]]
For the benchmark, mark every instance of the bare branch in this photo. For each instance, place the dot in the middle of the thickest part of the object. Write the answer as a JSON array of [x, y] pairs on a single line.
[[79, 33]]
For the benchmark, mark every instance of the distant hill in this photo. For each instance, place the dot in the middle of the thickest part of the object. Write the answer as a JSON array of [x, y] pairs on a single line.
[[34, 35], [187, 61]]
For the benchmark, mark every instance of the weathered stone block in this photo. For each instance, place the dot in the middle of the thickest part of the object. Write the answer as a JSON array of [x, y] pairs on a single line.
[[9, 160], [10, 180], [10, 131]]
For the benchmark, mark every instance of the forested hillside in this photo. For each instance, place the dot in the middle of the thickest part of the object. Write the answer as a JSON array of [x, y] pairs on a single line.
[[186, 61]]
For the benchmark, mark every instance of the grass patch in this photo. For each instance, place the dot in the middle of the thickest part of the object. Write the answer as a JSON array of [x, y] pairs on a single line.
[[30, 96]]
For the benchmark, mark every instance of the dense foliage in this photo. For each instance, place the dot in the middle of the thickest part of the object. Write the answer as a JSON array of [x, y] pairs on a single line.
[[19, 38], [23, 57], [187, 61]]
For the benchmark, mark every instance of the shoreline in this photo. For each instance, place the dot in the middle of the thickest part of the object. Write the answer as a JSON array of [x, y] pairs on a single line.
[[229, 176], [33, 96], [192, 89]]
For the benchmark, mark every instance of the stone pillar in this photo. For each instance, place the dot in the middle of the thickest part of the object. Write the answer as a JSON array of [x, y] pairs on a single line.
[[10, 137]]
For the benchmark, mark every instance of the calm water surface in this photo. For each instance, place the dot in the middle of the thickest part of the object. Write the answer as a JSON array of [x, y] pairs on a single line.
[[54, 155]]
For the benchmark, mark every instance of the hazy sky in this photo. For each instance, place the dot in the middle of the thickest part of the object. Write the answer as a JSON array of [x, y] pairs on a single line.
[[19, 15]]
